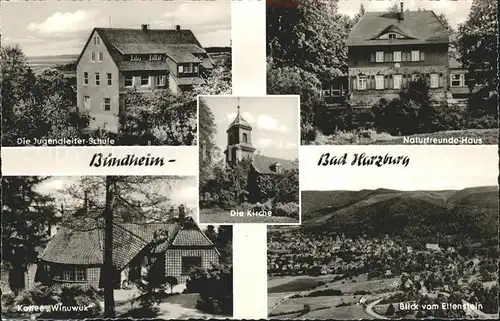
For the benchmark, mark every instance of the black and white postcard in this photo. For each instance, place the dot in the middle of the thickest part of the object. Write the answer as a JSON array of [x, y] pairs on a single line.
[[420, 243], [387, 72], [111, 246], [84, 73], [249, 159]]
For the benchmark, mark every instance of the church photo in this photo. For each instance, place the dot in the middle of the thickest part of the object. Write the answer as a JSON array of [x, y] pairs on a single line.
[[248, 150]]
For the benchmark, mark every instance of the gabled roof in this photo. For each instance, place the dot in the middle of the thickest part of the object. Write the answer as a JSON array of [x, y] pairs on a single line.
[[142, 65], [264, 164], [86, 247], [422, 27], [129, 41], [239, 121]]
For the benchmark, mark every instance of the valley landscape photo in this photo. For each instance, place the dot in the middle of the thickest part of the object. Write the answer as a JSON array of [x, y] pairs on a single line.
[[383, 253]]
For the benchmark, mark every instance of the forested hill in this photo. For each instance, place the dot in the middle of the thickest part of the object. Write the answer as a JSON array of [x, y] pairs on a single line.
[[471, 212]]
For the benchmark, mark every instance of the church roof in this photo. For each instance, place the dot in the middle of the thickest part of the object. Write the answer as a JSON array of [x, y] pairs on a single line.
[[265, 164], [240, 121]]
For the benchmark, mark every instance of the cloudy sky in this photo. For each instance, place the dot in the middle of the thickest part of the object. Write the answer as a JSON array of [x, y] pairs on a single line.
[[274, 121], [62, 27], [179, 192], [455, 10]]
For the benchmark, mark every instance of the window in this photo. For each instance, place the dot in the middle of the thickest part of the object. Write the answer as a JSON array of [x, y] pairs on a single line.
[[100, 56], [86, 102], [180, 69], [80, 274], [96, 41], [434, 81], [326, 92], [195, 68], [106, 104], [161, 81], [144, 80], [397, 56], [415, 55], [379, 82], [135, 58], [109, 79], [457, 80], [392, 36], [85, 78], [189, 68], [398, 79], [189, 262], [406, 56], [379, 56], [361, 82], [129, 81], [93, 57], [97, 79], [67, 274], [154, 57], [245, 138]]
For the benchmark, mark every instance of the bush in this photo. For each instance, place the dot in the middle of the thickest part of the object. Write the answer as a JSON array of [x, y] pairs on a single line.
[[266, 206], [215, 286], [362, 292], [326, 292], [448, 117], [289, 210]]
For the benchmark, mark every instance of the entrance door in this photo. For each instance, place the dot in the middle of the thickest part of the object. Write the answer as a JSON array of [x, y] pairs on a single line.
[[158, 270]]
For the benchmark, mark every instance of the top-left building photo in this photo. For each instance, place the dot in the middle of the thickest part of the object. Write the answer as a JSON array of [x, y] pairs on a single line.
[[80, 73]]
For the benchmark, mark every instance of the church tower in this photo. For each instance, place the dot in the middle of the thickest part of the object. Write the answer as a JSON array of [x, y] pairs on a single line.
[[239, 139]]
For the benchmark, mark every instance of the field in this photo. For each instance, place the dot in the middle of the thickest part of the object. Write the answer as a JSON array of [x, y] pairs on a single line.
[[216, 216], [281, 304]]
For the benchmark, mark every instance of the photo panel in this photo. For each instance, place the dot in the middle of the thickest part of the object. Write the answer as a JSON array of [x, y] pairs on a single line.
[[388, 239], [114, 73], [249, 159], [387, 72], [78, 247]]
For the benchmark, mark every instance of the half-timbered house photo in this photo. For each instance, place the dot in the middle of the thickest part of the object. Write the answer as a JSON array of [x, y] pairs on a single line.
[[134, 237]]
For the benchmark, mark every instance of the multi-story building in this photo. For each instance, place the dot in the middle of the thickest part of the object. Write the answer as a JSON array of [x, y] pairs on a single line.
[[386, 50], [115, 60]]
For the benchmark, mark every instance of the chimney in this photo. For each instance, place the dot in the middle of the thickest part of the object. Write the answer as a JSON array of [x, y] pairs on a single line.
[[401, 13], [182, 212], [144, 27], [177, 27]]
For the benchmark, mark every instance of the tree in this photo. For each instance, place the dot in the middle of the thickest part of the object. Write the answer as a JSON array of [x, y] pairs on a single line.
[[218, 80], [309, 36], [477, 42], [206, 136], [358, 15], [394, 8], [161, 119], [109, 270], [390, 310], [26, 220], [224, 243], [211, 233]]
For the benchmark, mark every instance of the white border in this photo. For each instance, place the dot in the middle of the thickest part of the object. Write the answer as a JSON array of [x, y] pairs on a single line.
[[298, 153]]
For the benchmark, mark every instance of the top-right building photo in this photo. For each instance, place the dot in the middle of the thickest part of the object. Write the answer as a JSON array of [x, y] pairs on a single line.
[[387, 72]]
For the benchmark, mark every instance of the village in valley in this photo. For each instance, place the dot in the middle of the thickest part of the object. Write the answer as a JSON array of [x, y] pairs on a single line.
[[93, 247], [356, 257]]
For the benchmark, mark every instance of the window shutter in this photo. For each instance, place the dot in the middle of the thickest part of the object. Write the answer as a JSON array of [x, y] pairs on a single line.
[[391, 82], [354, 83], [386, 81], [372, 57], [422, 56]]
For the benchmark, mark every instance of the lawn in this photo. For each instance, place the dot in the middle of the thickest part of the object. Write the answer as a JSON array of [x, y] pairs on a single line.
[[370, 137], [295, 283], [218, 216]]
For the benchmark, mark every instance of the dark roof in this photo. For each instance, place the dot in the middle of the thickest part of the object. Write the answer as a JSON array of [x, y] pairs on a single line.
[[87, 247], [125, 41], [239, 121], [418, 27], [142, 65], [180, 55], [264, 164]]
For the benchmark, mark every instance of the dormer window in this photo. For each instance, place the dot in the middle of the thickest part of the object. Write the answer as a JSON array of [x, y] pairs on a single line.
[[392, 36], [155, 57], [276, 167], [135, 58]]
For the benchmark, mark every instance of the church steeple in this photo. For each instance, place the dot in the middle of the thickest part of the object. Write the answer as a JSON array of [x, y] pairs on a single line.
[[239, 142]]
